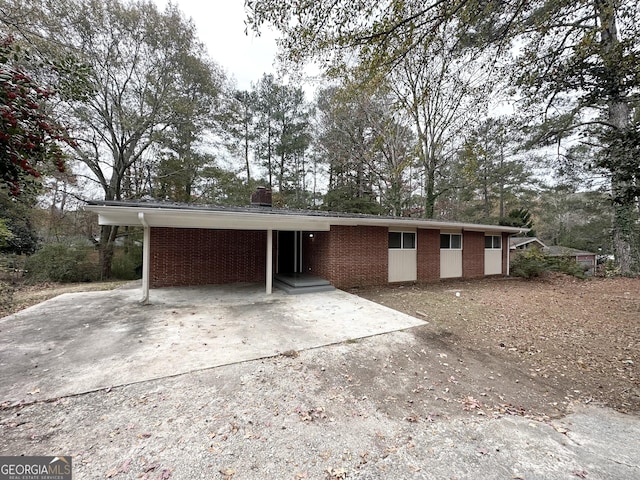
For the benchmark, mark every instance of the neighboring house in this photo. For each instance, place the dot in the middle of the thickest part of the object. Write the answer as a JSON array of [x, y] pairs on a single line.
[[199, 245], [519, 244], [525, 243], [586, 259]]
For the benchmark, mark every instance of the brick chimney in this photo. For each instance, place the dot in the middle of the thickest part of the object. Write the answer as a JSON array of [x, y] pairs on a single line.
[[261, 197]]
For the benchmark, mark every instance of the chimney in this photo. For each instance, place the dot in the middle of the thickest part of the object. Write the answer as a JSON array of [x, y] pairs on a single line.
[[261, 197]]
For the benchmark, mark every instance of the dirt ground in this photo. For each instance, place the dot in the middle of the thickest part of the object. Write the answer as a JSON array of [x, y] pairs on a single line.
[[18, 296], [579, 338]]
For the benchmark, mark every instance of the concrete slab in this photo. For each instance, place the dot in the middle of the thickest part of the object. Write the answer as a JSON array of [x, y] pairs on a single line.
[[83, 342]]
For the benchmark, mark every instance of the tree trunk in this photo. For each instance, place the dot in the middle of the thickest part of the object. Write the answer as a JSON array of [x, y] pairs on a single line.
[[429, 196], [107, 241], [246, 141], [625, 215], [502, 175], [269, 166]]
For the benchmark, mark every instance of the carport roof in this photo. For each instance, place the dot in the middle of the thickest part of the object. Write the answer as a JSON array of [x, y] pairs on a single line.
[[180, 215]]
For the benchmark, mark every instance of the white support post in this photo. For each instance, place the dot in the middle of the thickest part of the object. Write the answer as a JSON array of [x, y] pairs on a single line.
[[269, 278], [508, 247], [146, 257]]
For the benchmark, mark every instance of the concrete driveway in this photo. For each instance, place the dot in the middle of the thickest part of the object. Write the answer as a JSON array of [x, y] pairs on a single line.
[[366, 409], [81, 342]]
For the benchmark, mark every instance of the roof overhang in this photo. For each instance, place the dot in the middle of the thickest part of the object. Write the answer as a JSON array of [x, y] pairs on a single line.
[[272, 219], [211, 219], [527, 241]]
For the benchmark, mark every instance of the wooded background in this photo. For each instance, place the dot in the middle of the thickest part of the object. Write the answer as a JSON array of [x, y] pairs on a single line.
[[511, 112]]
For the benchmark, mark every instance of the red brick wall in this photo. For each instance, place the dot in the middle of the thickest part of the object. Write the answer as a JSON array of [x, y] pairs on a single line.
[[359, 256], [349, 256], [190, 256], [428, 255], [472, 254], [315, 254]]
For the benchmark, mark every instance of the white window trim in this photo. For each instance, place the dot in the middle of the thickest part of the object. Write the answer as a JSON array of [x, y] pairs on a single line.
[[450, 234], [402, 247], [492, 247]]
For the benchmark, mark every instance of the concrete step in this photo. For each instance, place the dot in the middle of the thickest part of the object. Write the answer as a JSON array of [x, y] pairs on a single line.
[[300, 279], [302, 289]]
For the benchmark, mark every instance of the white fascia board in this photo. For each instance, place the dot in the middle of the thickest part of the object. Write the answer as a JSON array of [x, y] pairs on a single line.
[[175, 218], [531, 240], [427, 224], [188, 218]]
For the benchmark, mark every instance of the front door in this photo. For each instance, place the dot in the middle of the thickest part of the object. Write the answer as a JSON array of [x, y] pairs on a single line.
[[289, 252]]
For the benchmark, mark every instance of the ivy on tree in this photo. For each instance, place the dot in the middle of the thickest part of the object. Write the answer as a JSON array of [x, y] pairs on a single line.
[[29, 138]]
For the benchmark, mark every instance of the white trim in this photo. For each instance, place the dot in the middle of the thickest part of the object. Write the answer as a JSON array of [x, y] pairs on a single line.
[[508, 257], [493, 248], [450, 248], [526, 242], [146, 258], [402, 232], [269, 274], [124, 215]]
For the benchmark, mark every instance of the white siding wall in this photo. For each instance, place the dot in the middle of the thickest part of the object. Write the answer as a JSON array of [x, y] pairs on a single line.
[[450, 263], [492, 262], [402, 265]]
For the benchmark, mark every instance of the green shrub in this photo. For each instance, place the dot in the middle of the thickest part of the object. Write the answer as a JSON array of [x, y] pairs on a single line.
[[12, 266], [567, 265], [529, 264], [57, 262], [127, 265], [6, 297], [533, 263]]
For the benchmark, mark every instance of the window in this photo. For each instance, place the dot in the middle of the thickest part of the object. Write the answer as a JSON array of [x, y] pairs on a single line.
[[403, 240], [451, 241], [493, 242], [395, 239], [408, 240]]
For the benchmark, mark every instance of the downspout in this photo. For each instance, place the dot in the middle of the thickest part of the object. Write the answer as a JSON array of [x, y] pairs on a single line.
[[146, 257]]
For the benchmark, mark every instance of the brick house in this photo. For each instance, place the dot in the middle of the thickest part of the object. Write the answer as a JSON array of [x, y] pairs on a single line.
[[200, 245]]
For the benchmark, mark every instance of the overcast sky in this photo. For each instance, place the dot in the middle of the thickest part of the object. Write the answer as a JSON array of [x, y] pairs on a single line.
[[220, 25]]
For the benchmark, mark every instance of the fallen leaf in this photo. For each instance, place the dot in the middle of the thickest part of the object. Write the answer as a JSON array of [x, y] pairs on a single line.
[[124, 468], [337, 473], [471, 403], [151, 467], [164, 474], [229, 472]]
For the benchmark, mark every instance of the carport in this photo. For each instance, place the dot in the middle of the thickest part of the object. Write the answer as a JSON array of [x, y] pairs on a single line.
[[196, 217]]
